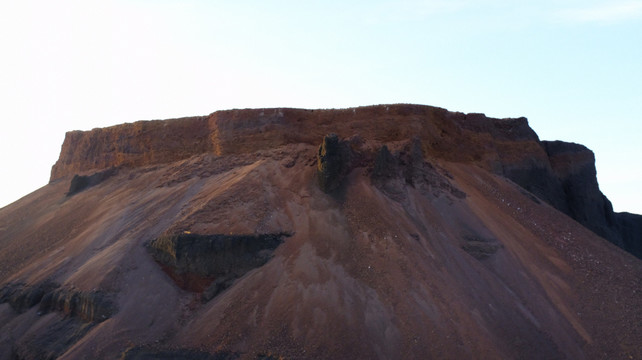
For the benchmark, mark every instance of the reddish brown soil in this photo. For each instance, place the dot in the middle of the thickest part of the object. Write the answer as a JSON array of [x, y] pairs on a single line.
[[369, 273]]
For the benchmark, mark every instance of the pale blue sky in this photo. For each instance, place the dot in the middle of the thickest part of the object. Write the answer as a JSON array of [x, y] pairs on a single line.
[[573, 68]]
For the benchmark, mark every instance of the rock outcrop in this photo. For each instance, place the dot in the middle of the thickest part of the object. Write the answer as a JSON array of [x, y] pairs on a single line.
[[333, 161], [22, 297], [77, 313], [208, 264], [93, 306], [82, 182], [574, 166], [629, 227], [88, 306], [385, 166], [572, 187], [452, 136], [434, 234], [562, 174], [130, 145]]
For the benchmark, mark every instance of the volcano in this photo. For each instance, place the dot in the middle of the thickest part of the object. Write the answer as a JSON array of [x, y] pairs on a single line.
[[380, 232]]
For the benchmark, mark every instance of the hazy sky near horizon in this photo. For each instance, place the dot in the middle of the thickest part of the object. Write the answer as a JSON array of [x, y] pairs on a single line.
[[573, 68]]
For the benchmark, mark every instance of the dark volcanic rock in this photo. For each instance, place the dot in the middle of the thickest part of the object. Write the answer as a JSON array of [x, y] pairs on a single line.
[[93, 306], [82, 182], [629, 227], [385, 166], [391, 173], [211, 263], [332, 162], [539, 180], [480, 248], [412, 162], [22, 297], [567, 180], [574, 166]]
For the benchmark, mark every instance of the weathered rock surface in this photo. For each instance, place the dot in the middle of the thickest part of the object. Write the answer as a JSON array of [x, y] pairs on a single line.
[[574, 167], [138, 144], [210, 263], [452, 136], [333, 162], [630, 229], [385, 166], [94, 306], [82, 182], [22, 297], [441, 243], [562, 174], [480, 248]]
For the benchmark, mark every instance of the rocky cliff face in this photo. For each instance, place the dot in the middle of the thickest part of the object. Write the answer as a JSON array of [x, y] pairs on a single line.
[[381, 232], [131, 145], [629, 227], [562, 174], [574, 167], [452, 136], [569, 183], [210, 264]]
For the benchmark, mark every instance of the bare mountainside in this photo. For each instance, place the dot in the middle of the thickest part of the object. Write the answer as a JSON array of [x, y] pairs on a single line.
[[382, 232]]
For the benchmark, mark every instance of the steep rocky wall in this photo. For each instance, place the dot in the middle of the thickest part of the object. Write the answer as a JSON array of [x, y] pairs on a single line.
[[560, 173], [452, 136], [630, 227], [208, 264], [569, 183], [574, 167], [94, 306], [132, 145]]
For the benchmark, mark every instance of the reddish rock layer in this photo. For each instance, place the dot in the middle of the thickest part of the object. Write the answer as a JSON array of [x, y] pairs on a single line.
[[560, 173], [447, 135], [132, 145]]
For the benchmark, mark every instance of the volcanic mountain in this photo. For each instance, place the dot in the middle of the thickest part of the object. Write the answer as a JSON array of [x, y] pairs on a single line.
[[380, 232]]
